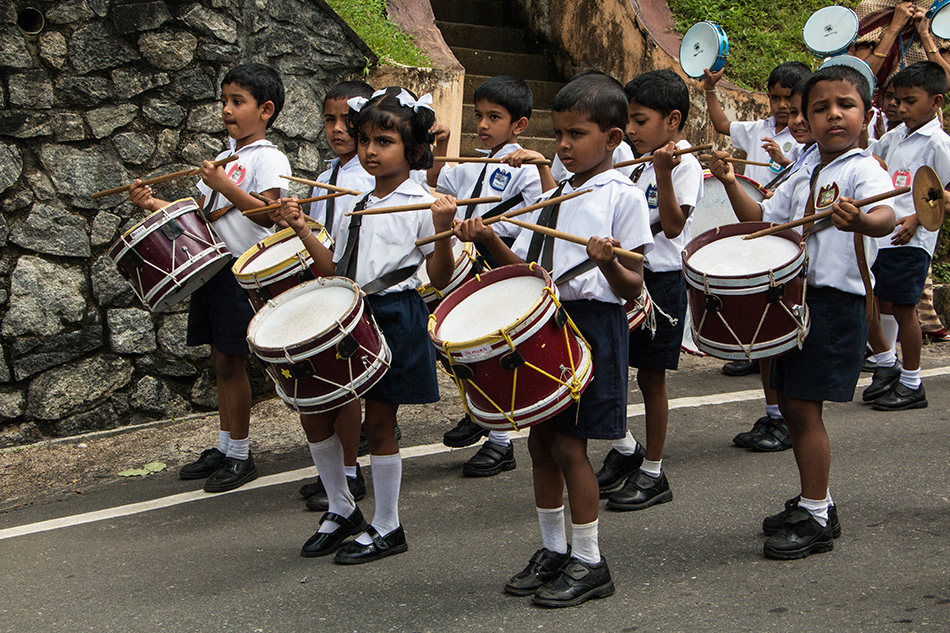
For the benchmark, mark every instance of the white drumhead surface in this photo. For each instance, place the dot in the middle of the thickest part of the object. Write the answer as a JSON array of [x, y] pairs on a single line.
[[276, 254], [699, 49], [830, 29], [735, 256], [490, 309], [303, 316], [940, 22]]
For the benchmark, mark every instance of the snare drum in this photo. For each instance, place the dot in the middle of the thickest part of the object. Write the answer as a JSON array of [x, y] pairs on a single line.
[[169, 254], [705, 45], [939, 17], [830, 31], [515, 356], [746, 297], [854, 62], [638, 311], [319, 344], [714, 208], [466, 267], [277, 263]]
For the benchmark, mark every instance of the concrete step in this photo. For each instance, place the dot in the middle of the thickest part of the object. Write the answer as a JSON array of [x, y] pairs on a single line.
[[538, 125], [469, 142], [487, 38], [478, 62], [542, 91], [484, 12]]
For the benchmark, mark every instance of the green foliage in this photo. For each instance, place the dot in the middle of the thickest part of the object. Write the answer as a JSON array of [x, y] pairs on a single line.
[[762, 34], [941, 272], [391, 44]]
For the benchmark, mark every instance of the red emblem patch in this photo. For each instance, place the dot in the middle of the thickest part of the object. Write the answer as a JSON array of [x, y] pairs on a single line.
[[901, 178], [237, 173], [827, 196]]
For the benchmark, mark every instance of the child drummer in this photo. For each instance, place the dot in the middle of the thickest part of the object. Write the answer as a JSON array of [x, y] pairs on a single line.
[[589, 116], [837, 104]]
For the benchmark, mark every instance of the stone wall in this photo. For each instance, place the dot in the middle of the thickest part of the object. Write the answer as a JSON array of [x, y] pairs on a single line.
[[93, 94]]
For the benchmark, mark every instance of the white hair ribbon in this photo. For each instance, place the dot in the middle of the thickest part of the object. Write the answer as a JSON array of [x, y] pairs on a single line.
[[378, 93], [425, 101], [356, 103]]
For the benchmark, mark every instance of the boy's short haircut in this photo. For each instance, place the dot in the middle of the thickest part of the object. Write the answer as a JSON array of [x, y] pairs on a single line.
[[797, 90], [596, 95], [788, 74], [660, 90], [511, 93], [263, 82], [347, 90], [926, 75], [837, 73]]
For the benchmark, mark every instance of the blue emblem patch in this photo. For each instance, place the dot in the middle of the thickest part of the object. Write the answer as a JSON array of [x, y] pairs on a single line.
[[652, 197], [499, 179]]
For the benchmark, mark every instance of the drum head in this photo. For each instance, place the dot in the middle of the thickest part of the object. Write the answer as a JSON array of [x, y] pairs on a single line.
[[858, 64], [301, 313], [830, 31], [491, 308], [702, 47], [928, 198], [275, 254], [734, 256], [940, 18], [714, 208]]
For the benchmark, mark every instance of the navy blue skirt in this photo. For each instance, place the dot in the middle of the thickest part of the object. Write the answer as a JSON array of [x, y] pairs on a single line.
[[661, 350], [219, 313]]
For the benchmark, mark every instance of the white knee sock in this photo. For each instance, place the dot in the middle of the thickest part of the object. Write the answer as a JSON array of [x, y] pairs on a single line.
[[553, 534], [499, 437], [885, 359], [239, 449], [890, 327], [387, 477], [584, 543], [654, 469], [818, 508], [910, 378], [328, 458], [625, 446], [224, 438]]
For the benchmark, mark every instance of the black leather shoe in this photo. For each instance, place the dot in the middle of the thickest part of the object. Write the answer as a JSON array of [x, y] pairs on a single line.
[[354, 553], [207, 463], [741, 368], [801, 535], [745, 438], [881, 382], [542, 567], [773, 437], [321, 544], [773, 523], [321, 503], [617, 468], [641, 491], [490, 459], [363, 448], [576, 582], [465, 433], [233, 473], [901, 398]]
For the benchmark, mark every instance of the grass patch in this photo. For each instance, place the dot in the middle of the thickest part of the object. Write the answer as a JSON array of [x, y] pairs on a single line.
[[391, 44], [762, 34]]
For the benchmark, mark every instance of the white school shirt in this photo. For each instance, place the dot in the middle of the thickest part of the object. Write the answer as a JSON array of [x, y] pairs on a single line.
[[904, 153], [387, 241], [501, 180], [832, 262], [259, 167], [615, 208], [688, 187], [624, 152], [351, 176], [747, 136]]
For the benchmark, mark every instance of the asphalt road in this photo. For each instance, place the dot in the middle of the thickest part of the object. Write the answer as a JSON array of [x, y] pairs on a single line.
[[181, 560]]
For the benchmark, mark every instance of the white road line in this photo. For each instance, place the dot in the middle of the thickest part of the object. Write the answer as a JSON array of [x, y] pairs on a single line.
[[305, 473]]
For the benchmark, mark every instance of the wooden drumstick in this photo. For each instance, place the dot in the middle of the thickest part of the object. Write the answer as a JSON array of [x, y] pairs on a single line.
[[422, 206], [323, 185], [184, 173], [739, 161], [679, 152], [276, 205], [569, 237], [486, 159], [510, 214]]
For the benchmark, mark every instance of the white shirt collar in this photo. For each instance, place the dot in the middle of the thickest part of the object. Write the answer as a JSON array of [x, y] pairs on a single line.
[[504, 151], [927, 129], [232, 143], [407, 187]]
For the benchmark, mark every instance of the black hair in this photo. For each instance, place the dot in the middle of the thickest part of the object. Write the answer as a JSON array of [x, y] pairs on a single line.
[[387, 113], [800, 86], [263, 82], [511, 93], [348, 90], [926, 75], [788, 74], [596, 95], [837, 73], [660, 90]]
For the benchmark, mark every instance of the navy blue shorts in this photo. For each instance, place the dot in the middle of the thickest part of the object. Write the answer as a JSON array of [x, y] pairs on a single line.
[[828, 365], [662, 350], [900, 274], [219, 314], [601, 413], [403, 318]]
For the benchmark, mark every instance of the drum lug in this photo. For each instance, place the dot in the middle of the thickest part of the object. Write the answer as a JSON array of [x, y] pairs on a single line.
[[305, 275], [775, 293], [462, 372], [347, 346], [713, 303], [172, 229], [299, 370], [512, 360], [560, 316], [262, 294]]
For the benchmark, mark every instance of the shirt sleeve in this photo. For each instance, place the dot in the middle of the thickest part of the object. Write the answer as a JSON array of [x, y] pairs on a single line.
[[743, 134], [267, 174], [688, 183], [448, 181], [631, 224]]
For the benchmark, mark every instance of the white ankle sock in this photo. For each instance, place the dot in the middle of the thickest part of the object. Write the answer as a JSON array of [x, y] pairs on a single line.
[[890, 327], [387, 477], [828, 498], [654, 469], [818, 508], [625, 446], [328, 458], [773, 411], [553, 534], [499, 437], [239, 449], [224, 438], [910, 378], [885, 359], [584, 546], [350, 471]]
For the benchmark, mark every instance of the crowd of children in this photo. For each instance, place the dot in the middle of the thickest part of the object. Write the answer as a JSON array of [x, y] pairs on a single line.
[[386, 144]]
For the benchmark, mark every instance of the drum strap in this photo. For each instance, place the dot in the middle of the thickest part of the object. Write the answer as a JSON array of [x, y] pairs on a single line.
[[580, 269], [476, 192], [860, 253], [331, 203], [543, 245]]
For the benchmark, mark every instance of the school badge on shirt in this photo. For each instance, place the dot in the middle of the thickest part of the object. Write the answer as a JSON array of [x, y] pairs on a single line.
[[827, 196], [237, 173], [901, 178], [652, 197], [499, 179], [774, 167]]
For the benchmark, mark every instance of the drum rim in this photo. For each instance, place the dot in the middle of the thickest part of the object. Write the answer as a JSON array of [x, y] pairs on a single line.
[[721, 53], [259, 247], [835, 9], [737, 229], [212, 265], [765, 349], [459, 272], [185, 208]]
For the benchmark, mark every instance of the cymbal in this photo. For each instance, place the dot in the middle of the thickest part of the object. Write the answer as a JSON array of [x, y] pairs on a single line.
[[928, 198]]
